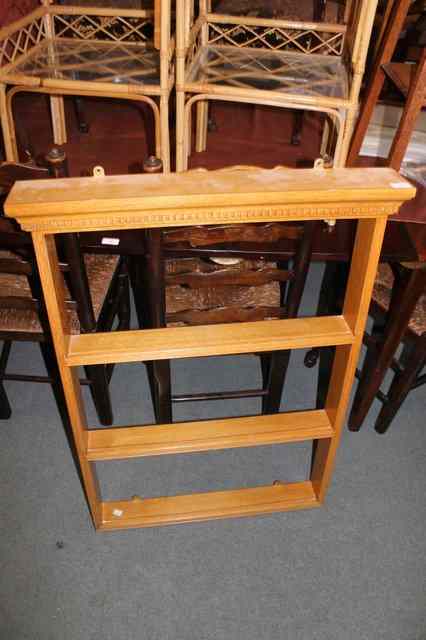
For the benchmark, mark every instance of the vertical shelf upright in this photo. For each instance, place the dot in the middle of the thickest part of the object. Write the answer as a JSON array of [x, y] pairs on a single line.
[[50, 207]]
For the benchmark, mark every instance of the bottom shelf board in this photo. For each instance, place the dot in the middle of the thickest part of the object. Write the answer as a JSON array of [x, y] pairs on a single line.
[[141, 512]]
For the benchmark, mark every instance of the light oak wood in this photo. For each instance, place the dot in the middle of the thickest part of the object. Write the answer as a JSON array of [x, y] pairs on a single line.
[[262, 195], [207, 506], [187, 437], [245, 196], [212, 340], [53, 289], [365, 260]]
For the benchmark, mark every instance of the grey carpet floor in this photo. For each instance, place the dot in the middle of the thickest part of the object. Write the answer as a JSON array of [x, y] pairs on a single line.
[[354, 569]]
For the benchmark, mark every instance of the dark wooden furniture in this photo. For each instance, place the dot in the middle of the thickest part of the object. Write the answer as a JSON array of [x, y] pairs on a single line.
[[231, 294], [204, 292], [97, 293], [391, 31], [399, 310]]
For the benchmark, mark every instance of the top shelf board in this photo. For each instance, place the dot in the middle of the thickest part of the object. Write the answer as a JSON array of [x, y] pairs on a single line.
[[206, 197]]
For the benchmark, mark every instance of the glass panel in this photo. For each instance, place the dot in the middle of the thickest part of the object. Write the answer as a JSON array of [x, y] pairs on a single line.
[[303, 74], [94, 62]]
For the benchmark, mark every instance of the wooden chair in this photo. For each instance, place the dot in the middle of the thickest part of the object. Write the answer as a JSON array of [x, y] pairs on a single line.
[[273, 62], [399, 311], [402, 301], [98, 293], [188, 280]]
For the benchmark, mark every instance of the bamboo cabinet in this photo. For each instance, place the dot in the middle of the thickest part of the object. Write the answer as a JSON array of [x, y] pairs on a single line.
[[314, 66], [89, 51], [46, 208]]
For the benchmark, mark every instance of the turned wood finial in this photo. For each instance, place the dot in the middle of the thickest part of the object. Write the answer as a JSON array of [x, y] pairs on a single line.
[[152, 165], [57, 163]]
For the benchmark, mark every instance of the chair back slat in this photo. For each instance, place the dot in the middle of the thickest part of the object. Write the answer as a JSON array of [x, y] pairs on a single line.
[[19, 259]]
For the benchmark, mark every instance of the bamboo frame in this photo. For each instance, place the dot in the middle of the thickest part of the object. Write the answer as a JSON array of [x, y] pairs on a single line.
[[121, 34], [244, 195], [207, 63]]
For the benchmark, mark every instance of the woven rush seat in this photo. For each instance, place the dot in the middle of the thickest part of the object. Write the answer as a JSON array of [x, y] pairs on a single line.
[[100, 269], [180, 298], [382, 295]]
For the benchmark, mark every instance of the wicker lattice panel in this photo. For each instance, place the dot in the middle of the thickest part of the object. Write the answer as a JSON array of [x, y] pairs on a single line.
[[276, 38], [112, 28], [21, 41]]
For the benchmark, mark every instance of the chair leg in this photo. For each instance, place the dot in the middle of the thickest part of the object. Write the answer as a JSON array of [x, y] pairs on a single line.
[[180, 132], [407, 288], [401, 386], [58, 119], [99, 389], [51, 364], [79, 114], [124, 312], [296, 134], [201, 126], [164, 134], [5, 409], [154, 285], [278, 365], [330, 300], [8, 127], [279, 360], [161, 388]]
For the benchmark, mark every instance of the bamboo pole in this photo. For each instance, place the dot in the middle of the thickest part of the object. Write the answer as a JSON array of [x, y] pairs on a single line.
[[8, 129], [218, 18], [180, 90], [69, 10], [260, 94], [56, 102], [202, 106]]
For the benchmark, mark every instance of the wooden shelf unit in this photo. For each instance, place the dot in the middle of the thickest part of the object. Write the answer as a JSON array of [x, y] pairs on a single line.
[[46, 208]]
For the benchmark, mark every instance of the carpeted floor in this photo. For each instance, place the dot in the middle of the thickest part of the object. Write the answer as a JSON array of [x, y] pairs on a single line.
[[354, 569]]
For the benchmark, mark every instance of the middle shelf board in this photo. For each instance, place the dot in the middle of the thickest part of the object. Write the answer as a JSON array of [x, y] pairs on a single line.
[[207, 340]]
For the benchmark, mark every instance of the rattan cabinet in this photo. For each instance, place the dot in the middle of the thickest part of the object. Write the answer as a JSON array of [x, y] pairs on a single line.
[[89, 51], [299, 65]]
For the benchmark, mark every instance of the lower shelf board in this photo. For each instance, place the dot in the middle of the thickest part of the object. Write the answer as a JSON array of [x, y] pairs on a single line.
[[141, 512], [207, 435]]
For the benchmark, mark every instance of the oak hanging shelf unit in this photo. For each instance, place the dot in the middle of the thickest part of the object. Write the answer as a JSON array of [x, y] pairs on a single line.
[[46, 208]]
